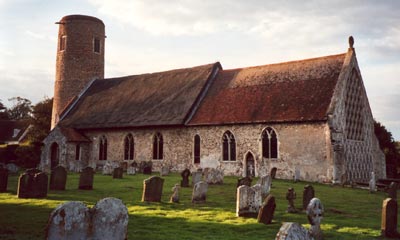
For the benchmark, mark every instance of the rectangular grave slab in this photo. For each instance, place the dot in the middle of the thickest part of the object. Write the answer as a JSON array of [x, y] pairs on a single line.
[[152, 189]]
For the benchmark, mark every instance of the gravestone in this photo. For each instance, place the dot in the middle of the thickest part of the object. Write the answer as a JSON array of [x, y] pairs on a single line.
[[124, 166], [146, 167], [134, 164], [86, 179], [109, 167], [273, 172], [266, 213], [131, 170], [291, 196], [214, 176], [265, 183], [197, 176], [32, 184], [175, 194], [315, 211], [372, 183], [185, 178], [392, 191], [199, 194], [3, 179], [118, 172], [244, 181], [108, 219], [70, 220], [147, 170], [164, 171], [152, 189], [308, 194], [389, 218], [248, 201], [296, 175], [58, 178], [292, 231]]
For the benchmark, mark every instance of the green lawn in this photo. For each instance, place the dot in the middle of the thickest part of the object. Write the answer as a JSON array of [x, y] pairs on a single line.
[[349, 213]]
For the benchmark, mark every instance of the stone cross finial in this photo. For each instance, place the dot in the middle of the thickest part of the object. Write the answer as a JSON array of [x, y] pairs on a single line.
[[351, 42]]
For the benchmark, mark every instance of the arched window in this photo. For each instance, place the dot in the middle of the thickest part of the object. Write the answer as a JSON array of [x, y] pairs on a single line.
[[158, 146], [228, 147], [196, 148], [54, 155], [103, 148], [269, 143], [129, 147], [77, 152]]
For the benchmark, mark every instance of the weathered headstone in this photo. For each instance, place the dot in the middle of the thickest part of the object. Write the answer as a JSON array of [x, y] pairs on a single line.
[[315, 211], [164, 171], [185, 178], [273, 172], [110, 219], [86, 179], [147, 170], [131, 170], [292, 231], [296, 175], [214, 176], [3, 179], [175, 194], [372, 183], [109, 167], [58, 178], [248, 201], [392, 191], [152, 189], [291, 196], [197, 176], [308, 194], [265, 183], [266, 212], [74, 220], [389, 218], [146, 167], [199, 194], [70, 220], [32, 184], [244, 181], [118, 172]]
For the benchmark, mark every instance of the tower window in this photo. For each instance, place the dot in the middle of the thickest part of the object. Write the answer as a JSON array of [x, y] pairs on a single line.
[[96, 45], [63, 42]]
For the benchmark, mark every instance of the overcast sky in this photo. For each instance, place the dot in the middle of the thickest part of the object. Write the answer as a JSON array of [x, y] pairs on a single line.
[[153, 35]]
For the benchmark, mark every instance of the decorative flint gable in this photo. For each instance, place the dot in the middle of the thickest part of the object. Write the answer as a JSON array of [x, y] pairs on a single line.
[[354, 148]]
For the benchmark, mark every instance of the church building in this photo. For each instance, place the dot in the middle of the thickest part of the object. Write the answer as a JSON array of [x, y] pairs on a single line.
[[311, 117]]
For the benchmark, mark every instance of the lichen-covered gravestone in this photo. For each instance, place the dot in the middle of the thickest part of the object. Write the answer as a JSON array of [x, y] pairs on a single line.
[[110, 219], [58, 178], [152, 189], [175, 194], [86, 179], [248, 201], [214, 176], [315, 211], [292, 231], [372, 183], [3, 179], [199, 194], [32, 184], [389, 219], [185, 178], [73, 220], [291, 196], [244, 181], [265, 183], [266, 213], [197, 176], [273, 172], [118, 172], [296, 175], [308, 194], [164, 171]]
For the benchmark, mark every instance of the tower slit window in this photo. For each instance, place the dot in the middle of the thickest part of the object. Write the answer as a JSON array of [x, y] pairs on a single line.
[[63, 43], [96, 45]]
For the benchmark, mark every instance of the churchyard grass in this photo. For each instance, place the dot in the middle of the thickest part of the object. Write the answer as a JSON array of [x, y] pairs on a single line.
[[349, 213]]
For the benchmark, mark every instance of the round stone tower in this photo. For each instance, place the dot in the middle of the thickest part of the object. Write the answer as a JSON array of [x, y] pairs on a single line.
[[80, 59]]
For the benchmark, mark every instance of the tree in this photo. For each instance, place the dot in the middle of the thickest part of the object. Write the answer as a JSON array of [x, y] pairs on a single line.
[[21, 109], [388, 146], [40, 120], [3, 112]]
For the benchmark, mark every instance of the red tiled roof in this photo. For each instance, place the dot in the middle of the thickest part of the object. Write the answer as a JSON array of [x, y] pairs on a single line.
[[291, 91]]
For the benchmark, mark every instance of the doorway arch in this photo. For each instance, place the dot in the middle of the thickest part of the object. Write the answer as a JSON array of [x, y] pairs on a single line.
[[250, 165]]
